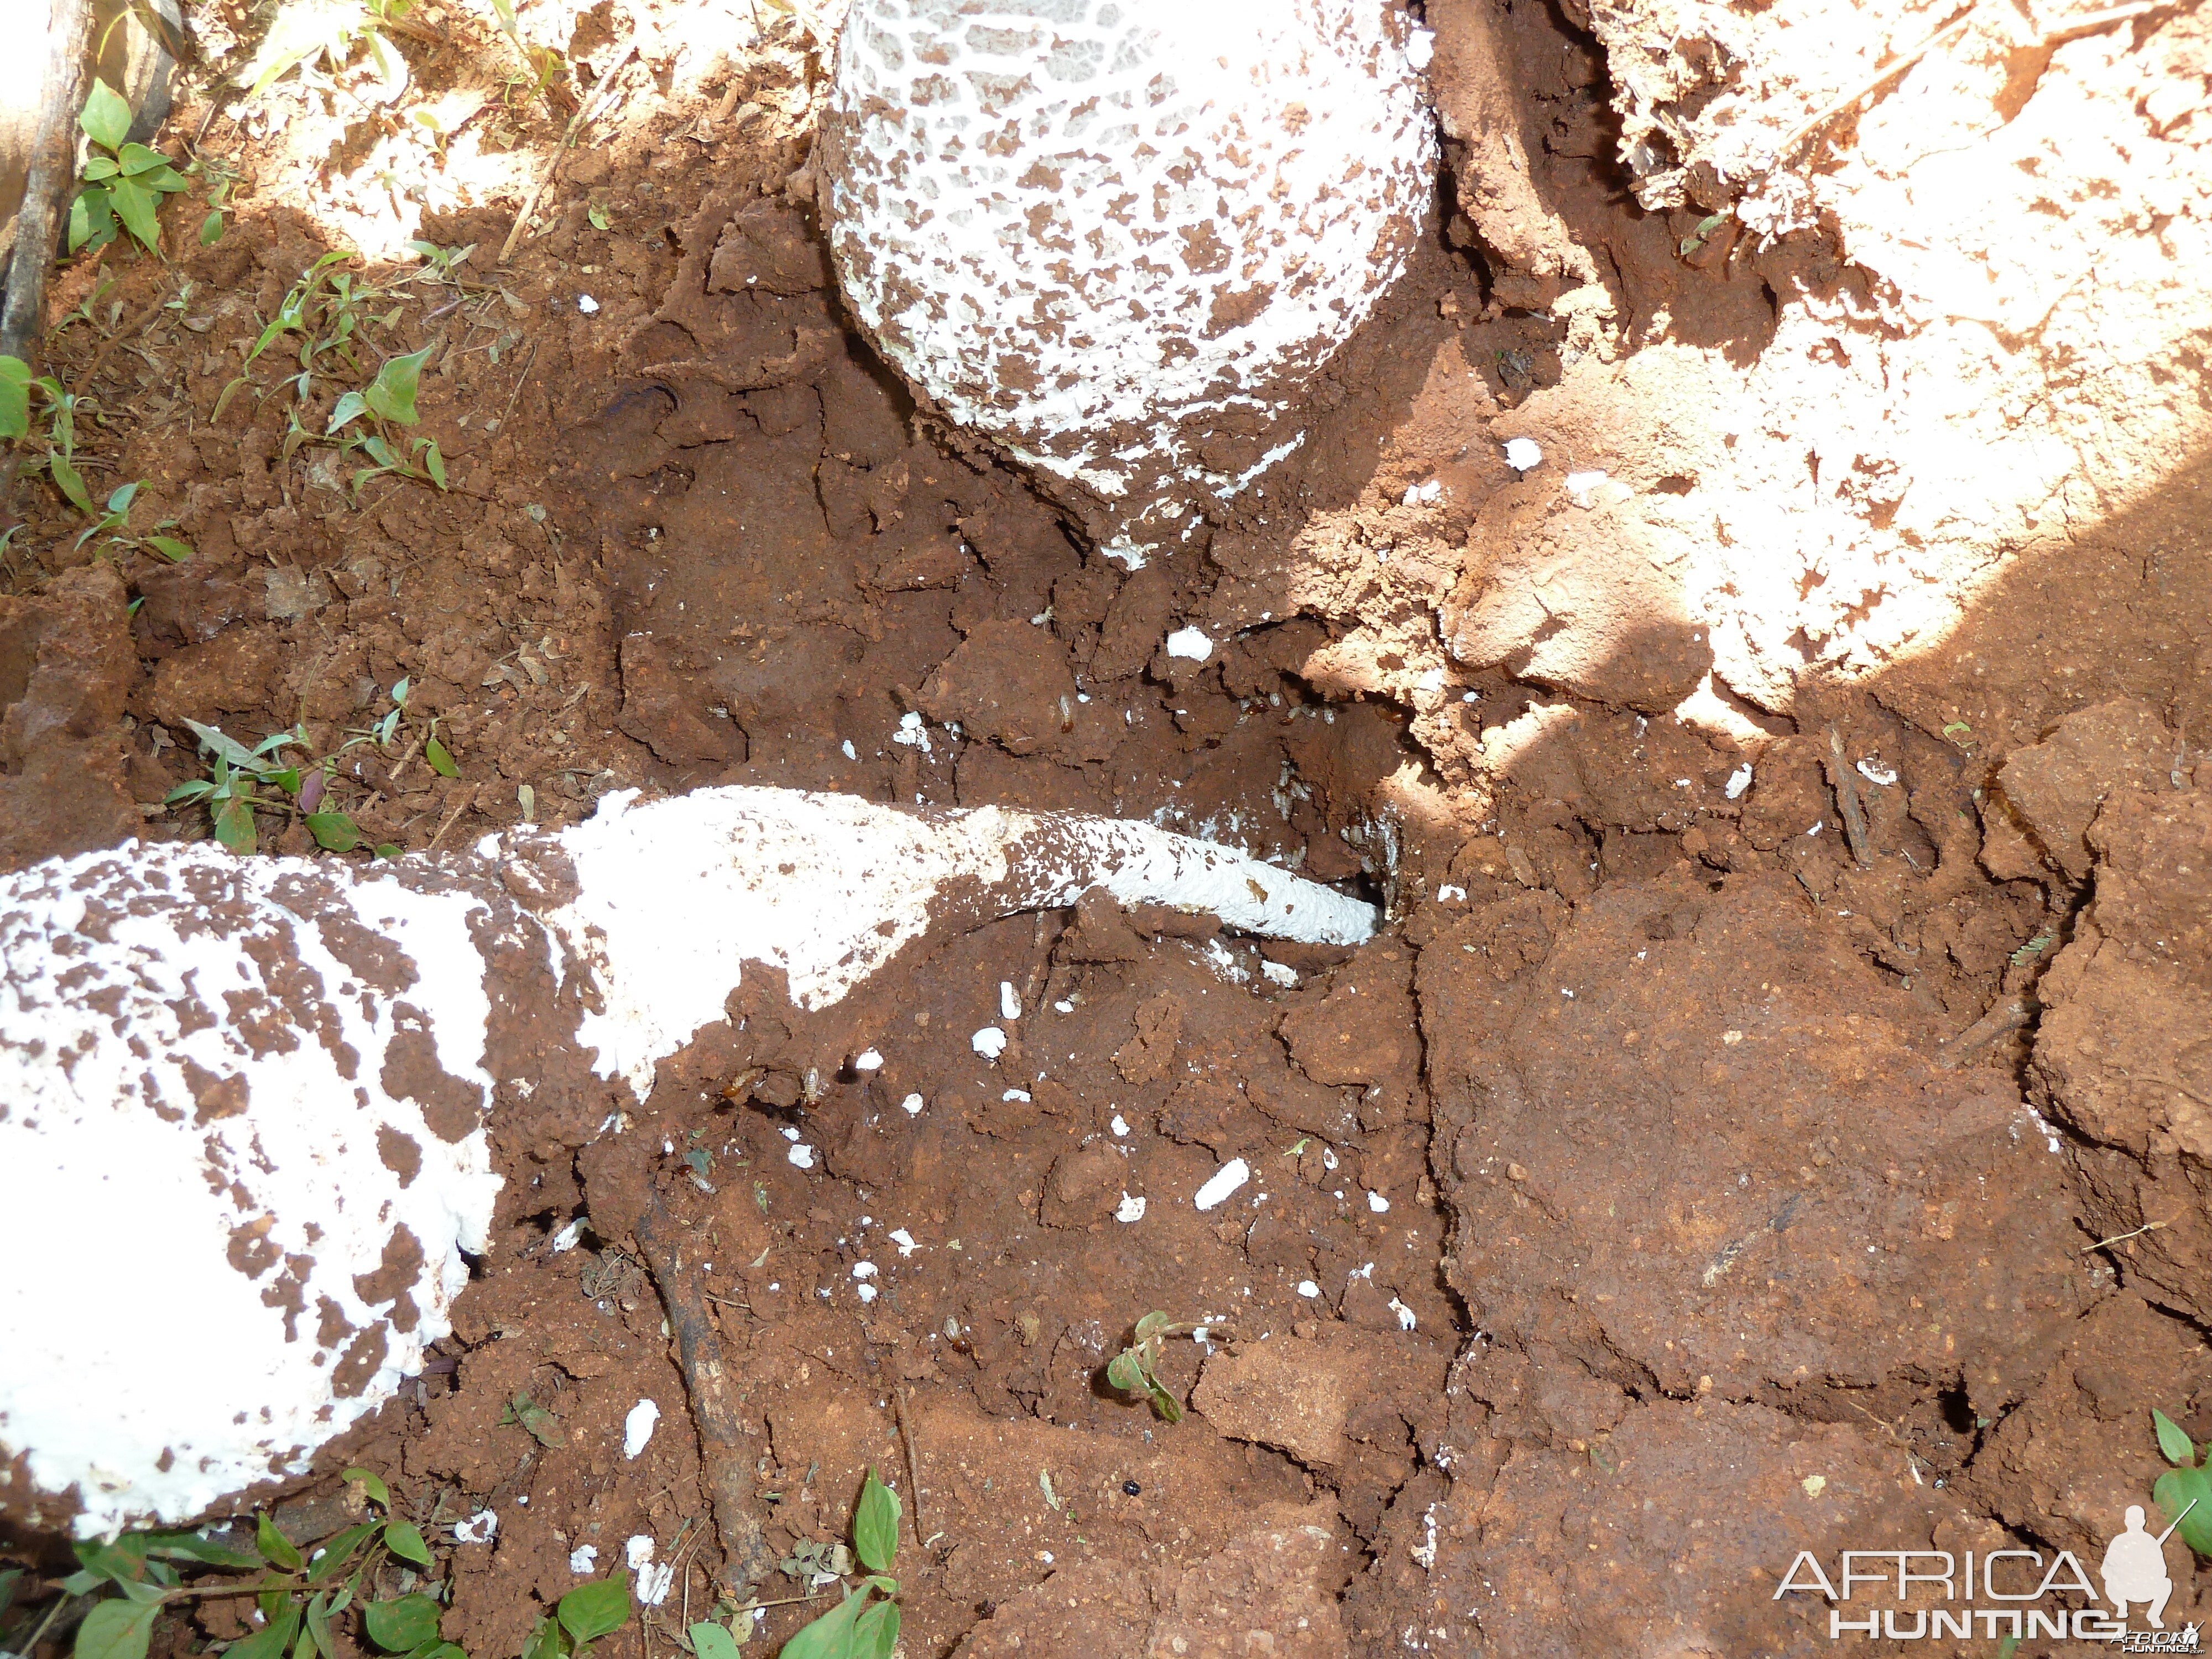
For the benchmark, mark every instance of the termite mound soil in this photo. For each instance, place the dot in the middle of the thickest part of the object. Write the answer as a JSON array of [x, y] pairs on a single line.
[[1786, 797]]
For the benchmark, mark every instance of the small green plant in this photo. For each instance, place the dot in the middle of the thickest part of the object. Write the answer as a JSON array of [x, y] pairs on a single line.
[[301, 1592], [2184, 1492], [1136, 1369], [123, 183], [438, 264], [859, 1626], [114, 521], [62, 407], [247, 780], [330, 31], [385, 402], [581, 1617], [241, 781]]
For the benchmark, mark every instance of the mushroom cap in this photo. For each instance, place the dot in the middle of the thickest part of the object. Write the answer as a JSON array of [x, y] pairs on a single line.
[[1118, 236]]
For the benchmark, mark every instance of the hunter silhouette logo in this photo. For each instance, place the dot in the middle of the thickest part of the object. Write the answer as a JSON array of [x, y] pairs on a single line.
[[2135, 1568]]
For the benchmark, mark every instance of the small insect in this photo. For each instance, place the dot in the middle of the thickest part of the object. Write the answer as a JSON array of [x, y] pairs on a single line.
[[1132, 1489]]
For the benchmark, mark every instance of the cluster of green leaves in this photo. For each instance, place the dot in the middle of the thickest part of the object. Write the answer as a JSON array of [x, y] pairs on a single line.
[[860, 1626], [242, 782], [582, 1616], [114, 522], [331, 315], [123, 182], [300, 1594], [2187, 1487], [329, 31], [62, 409], [1136, 1369]]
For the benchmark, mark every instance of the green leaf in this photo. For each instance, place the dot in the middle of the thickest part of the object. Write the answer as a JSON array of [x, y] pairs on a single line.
[[334, 832], [211, 228], [134, 205], [15, 397], [598, 216], [1169, 1407], [1149, 1326], [9, 1578], [276, 1550], [1123, 1372], [385, 850], [710, 1641], [107, 116], [546, 1642], [541, 1424], [271, 1641], [190, 790], [137, 161], [99, 168], [191, 1546], [829, 1637], [875, 1632], [403, 1538], [391, 395], [434, 463], [442, 763], [371, 1484], [120, 499], [170, 547], [233, 827], [65, 476], [219, 743], [117, 1630], [316, 1620], [875, 1525], [346, 410], [2174, 1492], [330, 1560], [402, 1624], [591, 1611], [2173, 1441]]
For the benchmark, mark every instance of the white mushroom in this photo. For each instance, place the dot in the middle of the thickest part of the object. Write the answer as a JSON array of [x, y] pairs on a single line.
[[243, 1101], [1117, 236]]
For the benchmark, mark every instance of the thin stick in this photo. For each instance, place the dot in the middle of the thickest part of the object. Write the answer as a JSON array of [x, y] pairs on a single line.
[[726, 1458], [913, 1455], [576, 122], [505, 413], [1888, 72], [2148, 1227], [1847, 799]]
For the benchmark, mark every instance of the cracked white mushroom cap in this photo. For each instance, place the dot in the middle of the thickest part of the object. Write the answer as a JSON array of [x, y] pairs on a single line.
[[1118, 236]]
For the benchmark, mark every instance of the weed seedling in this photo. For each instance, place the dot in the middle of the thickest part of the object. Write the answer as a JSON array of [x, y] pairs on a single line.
[[2184, 1492], [62, 409], [241, 780], [385, 402], [859, 1626], [579, 1618], [122, 181], [300, 1594], [1136, 1369]]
